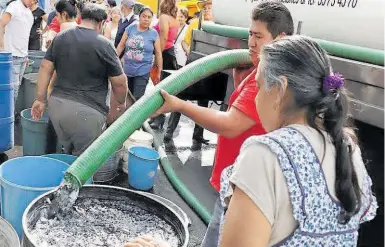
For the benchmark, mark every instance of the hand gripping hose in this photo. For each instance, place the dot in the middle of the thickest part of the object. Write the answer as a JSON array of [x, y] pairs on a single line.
[[110, 140], [356, 53]]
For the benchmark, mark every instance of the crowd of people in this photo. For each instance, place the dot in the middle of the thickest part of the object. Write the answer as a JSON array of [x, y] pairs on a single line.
[[288, 170]]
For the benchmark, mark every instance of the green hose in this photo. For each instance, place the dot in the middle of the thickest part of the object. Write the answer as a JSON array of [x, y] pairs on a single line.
[[110, 140], [183, 191], [356, 53]]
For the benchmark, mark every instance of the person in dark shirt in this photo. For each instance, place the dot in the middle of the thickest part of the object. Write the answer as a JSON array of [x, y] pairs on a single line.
[[35, 36], [77, 105]]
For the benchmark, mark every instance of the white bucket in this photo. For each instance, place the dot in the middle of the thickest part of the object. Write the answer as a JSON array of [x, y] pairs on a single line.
[[138, 138], [8, 235]]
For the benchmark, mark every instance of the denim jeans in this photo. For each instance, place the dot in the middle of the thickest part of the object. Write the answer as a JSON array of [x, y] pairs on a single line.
[[211, 238], [19, 65]]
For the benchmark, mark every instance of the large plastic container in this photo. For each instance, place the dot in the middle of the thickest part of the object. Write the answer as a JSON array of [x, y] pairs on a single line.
[[29, 84], [138, 138], [143, 167], [67, 158], [36, 57], [7, 105], [8, 235], [34, 133], [22, 180]]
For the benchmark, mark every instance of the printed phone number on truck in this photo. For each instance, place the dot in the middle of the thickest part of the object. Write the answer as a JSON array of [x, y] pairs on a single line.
[[327, 3]]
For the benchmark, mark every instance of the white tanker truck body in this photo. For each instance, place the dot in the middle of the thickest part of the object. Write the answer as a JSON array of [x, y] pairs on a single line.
[[355, 22]]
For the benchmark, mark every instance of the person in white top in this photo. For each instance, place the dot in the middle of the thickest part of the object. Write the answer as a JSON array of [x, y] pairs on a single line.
[[112, 26], [181, 56], [15, 27]]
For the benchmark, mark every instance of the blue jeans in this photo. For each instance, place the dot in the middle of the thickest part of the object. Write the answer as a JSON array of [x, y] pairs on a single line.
[[211, 238], [137, 85], [19, 65]]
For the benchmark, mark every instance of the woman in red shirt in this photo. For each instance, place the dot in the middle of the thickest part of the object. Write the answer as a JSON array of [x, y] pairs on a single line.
[[66, 17]]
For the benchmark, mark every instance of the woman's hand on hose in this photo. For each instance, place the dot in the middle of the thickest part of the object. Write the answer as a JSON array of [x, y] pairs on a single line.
[[147, 241], [171, 104]]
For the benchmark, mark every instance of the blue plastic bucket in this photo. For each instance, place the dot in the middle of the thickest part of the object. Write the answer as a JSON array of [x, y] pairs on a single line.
[[22, 180], [34, 133], [7, 105], [67, 158], [142, 167]]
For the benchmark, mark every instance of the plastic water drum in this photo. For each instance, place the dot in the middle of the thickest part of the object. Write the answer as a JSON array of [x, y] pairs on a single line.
[[138, 138], [143, 167], [22, 180], [29, 84], [36, 57], [34, 133], [6, 102], [8, 235], [67, 158]]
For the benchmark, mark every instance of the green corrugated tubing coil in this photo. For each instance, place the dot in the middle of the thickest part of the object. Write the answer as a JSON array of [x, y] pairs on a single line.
[[356, 53], [110, 140]]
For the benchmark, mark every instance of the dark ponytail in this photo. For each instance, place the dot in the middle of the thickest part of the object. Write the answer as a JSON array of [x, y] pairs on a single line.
[[71, 7], [305, 65], [346, 186]]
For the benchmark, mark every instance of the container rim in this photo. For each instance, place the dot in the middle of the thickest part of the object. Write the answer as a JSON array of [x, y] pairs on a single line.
[[23, 118], [129, 150], [27, 187], [27, 234]]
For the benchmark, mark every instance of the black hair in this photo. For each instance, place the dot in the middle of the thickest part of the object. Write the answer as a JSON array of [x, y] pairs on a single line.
[[276, 16], [8, 3], [305, 65], [71, 7], [144, 8], [111, 3], [93, 12]]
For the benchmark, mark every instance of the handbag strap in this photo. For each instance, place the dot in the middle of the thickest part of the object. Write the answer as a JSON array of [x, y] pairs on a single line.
[[177, 37]]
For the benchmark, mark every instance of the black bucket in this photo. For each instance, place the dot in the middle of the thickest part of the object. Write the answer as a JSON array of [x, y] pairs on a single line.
[[153, 204]]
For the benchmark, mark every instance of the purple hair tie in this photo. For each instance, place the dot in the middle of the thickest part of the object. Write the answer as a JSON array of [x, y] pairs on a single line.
[[333, 81]]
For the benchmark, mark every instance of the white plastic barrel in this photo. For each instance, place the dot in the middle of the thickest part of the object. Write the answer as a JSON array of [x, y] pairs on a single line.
[[138, 138], [354, 22]]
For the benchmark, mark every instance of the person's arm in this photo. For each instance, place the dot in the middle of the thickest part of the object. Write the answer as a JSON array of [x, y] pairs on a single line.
[[43, 79], [51, 84], [5, 19], [45, 17], [158, 55], [252, 199], [115, 74], [122, 44], [186, 47], [229, 124], [187, 38], [245, 224], [164, 27], [107, 32]]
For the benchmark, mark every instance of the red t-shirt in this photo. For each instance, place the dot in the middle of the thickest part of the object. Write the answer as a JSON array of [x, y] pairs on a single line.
[[243, 99], [55, 25]]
